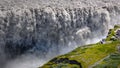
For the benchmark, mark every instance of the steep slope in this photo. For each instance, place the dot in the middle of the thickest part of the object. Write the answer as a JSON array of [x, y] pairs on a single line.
[[91, 55], [113, 61]]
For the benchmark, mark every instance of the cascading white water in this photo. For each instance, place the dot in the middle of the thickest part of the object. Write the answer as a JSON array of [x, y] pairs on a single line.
[[49, 31]]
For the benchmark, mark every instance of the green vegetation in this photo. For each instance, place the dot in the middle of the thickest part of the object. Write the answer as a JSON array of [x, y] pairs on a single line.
[[92, 55], [113, 61], [111, 32]]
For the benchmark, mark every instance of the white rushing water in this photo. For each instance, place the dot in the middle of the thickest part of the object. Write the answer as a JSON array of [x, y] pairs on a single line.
[[32, 35]]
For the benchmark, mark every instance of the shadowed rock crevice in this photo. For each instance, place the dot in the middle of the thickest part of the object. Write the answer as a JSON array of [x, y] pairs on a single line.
[[65, 61]]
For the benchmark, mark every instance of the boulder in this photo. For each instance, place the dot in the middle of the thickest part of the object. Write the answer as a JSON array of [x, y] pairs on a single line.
[[118, 34]]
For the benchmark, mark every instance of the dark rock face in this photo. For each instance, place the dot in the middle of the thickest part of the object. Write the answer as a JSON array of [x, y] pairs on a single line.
[[118, 34], [75, 62], [66, 60]]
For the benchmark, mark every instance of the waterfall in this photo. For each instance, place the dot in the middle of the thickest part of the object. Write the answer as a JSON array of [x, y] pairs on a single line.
[[50, 31]]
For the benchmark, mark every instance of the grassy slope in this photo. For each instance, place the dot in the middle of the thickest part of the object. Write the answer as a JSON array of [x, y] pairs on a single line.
[[113, 61], [89, 55]]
